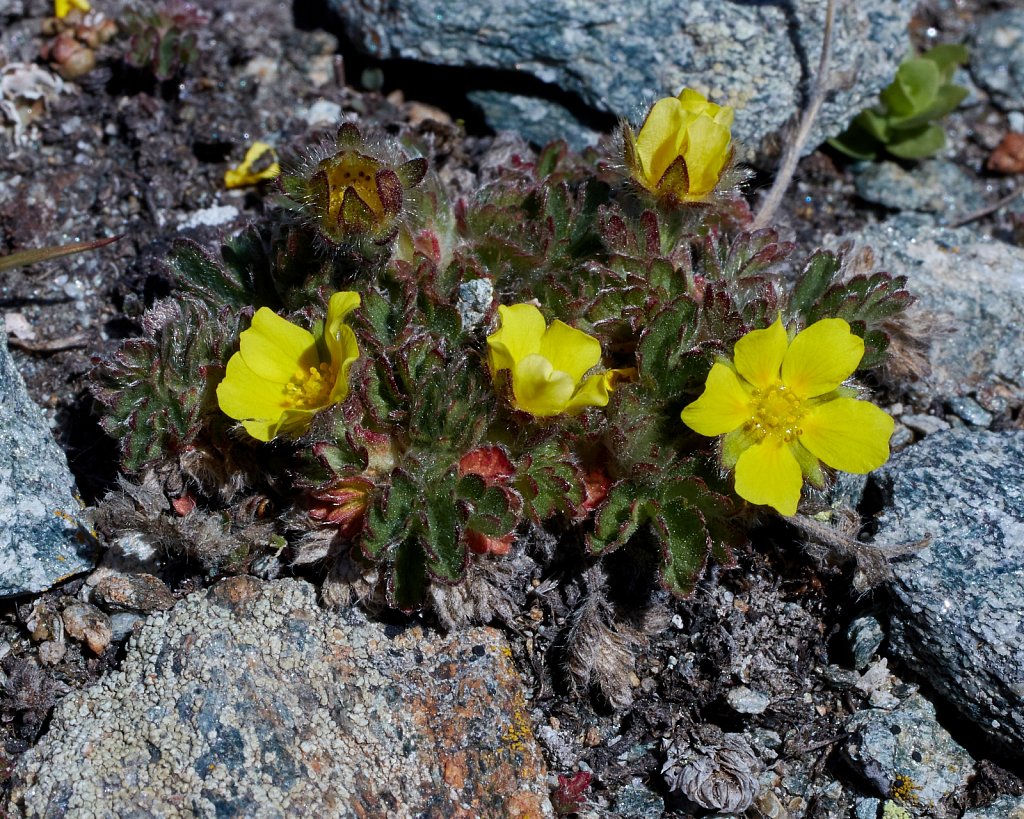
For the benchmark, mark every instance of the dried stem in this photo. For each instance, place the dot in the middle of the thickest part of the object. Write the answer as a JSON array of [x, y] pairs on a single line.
[[787, 167], [985, 211]]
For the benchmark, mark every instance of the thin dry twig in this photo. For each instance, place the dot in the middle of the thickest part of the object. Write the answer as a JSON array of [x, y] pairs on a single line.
[[55, 345], [985, 211], [787, 168]]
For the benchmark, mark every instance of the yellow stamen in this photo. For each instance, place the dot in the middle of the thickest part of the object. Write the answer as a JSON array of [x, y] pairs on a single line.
[[776, 413], [310, 389]]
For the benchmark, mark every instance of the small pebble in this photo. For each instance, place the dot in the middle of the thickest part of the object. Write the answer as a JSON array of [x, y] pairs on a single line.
[[865, 635], [925, 424], [85, 622], [132, 592], [52, 652], [971, 411], [123, 624], [745, 700]]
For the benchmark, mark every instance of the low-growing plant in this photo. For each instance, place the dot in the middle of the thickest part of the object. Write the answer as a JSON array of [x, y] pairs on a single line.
[[162, 39], [331, 374], [903, 124]]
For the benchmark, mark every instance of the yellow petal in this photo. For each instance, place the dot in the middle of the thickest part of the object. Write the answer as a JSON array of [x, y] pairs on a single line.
[[723, 407], [275, 349], [768, 474], [261, 430], [347, 355], [291, 422], [62, 8], [706, 152], [539, 388], [821, 358], [260, 163], [570, 350], [341, 345], [593, 393], [660, 137], [694, 101], [758, 355], [244, 395], [848, 434], [522, 326]]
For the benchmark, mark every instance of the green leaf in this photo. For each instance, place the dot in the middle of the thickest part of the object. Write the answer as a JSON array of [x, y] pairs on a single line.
[[407, 581], [663, 343], [946, 99], [916, 84], [493, 510], [874, 125], [947, 56], [919, 143], [819, 272], [550, 483], [550, 157], [411, 172], [160, 390], [447, 555], [389, 518], [685, 546], [622, 513], [241, 279]]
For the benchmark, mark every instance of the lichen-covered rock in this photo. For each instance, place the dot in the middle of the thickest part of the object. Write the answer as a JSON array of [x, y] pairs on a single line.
[[957, 603], [41, 541], [249, 700], [971, 290], [933, 186], [997, 57], [754, 56], [1006, 807], [907, 755]]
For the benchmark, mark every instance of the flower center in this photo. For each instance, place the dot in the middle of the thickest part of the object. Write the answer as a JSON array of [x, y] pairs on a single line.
[[776, 413], [310, 389]]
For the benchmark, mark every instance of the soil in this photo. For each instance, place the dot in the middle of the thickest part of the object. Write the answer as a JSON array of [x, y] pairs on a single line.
[[120, 152]]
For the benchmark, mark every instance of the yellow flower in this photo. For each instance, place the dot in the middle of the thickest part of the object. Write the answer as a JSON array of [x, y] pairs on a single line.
[[277, 381], [682, 148], [547, 364], [62, 8], [782, 408], [260, 163]]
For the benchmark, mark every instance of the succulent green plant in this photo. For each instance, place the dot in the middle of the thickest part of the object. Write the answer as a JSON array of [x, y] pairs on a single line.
[[429, 468], [904, 123]]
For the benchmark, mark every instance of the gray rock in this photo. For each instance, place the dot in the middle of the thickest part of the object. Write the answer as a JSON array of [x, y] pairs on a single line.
[[906, 753], [249, 700], [637, 801], [957, 603], [997, 57], [744, 700], [617, 58], [867, 808], [925, 424], [971, 291], [123, 623], [971, 411], [475, 299], [1006, 807], [934, 186], [41, 540], [865, 635], [538, 120]]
